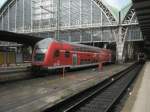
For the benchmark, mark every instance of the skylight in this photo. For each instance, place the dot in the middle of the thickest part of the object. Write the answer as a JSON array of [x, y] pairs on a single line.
[[2, 2]]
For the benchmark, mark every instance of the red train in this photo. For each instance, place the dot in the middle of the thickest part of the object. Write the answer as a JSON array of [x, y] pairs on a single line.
[[50, 54]]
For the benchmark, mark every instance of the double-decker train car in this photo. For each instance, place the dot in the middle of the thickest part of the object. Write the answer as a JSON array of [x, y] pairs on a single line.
[[51, 54]]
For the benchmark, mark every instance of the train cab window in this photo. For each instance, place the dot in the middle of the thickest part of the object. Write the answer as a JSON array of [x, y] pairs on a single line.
[[67, 54], [56, 53]]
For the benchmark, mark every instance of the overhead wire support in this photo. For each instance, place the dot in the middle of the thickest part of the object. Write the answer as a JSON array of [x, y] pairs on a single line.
[[58, 20]]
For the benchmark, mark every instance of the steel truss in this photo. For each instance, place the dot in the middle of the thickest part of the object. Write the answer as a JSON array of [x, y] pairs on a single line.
[[122, 34], [112, 22], [106, 10]]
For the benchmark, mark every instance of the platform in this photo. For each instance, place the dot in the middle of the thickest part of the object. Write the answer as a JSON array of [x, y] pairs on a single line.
[[39, 93], [139, 100], [15, 72], [14, 67]]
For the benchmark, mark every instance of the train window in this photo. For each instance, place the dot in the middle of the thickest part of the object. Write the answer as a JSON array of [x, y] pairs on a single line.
[[39, 57], [67, 54], [56, 53]]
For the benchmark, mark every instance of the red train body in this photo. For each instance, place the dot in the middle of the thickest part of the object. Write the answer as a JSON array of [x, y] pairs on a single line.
[[49, 54]]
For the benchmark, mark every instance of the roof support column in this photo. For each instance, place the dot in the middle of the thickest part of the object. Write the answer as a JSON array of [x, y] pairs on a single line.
[[80, 20], [91, 20], [120, 46], [2, 22], [121, 41], [81, 35], [8, 18], [23, 16], [69, 36], [70, 13], [130, 50], [81, 13], [31, 15], [16, 16], [58, 21]]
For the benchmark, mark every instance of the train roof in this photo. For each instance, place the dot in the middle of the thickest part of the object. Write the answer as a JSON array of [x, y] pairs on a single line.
[[48, 40], [85, 46], [44, 43], [79, 47]]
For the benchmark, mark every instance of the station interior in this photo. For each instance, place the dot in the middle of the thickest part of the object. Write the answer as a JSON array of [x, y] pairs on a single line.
[[54, 53]]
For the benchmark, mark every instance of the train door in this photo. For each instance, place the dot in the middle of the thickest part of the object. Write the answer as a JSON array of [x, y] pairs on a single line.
[[75, 59]]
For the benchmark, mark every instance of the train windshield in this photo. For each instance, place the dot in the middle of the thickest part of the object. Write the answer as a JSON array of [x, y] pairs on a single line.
[[39, 57]]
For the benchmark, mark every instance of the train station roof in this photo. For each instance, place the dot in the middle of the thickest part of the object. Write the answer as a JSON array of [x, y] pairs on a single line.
[[142, 8], [19, 38], [2, 2], [116, 6]]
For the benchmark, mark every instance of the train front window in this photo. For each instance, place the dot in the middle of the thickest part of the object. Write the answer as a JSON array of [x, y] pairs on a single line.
[[39, 57]]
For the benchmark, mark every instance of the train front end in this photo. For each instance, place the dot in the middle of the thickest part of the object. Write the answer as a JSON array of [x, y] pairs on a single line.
[[40, 54], [141, 58]]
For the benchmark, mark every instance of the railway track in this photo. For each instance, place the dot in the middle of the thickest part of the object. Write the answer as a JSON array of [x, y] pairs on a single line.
[[102, 97]]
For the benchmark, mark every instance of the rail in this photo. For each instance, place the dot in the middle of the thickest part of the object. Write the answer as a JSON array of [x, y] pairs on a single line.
[[100, 98]]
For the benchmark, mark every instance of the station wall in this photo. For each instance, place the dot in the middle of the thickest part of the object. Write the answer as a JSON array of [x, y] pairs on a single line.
[[10, 57]]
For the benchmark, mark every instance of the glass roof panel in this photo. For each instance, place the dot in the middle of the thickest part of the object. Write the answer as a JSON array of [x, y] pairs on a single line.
[[2, 2], [116, 6], [119, 4]]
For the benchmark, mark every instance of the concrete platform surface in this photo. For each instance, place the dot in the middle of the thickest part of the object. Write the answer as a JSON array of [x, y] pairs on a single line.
[[14, 67], [139, 100], [15, 72], [33, 95]]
